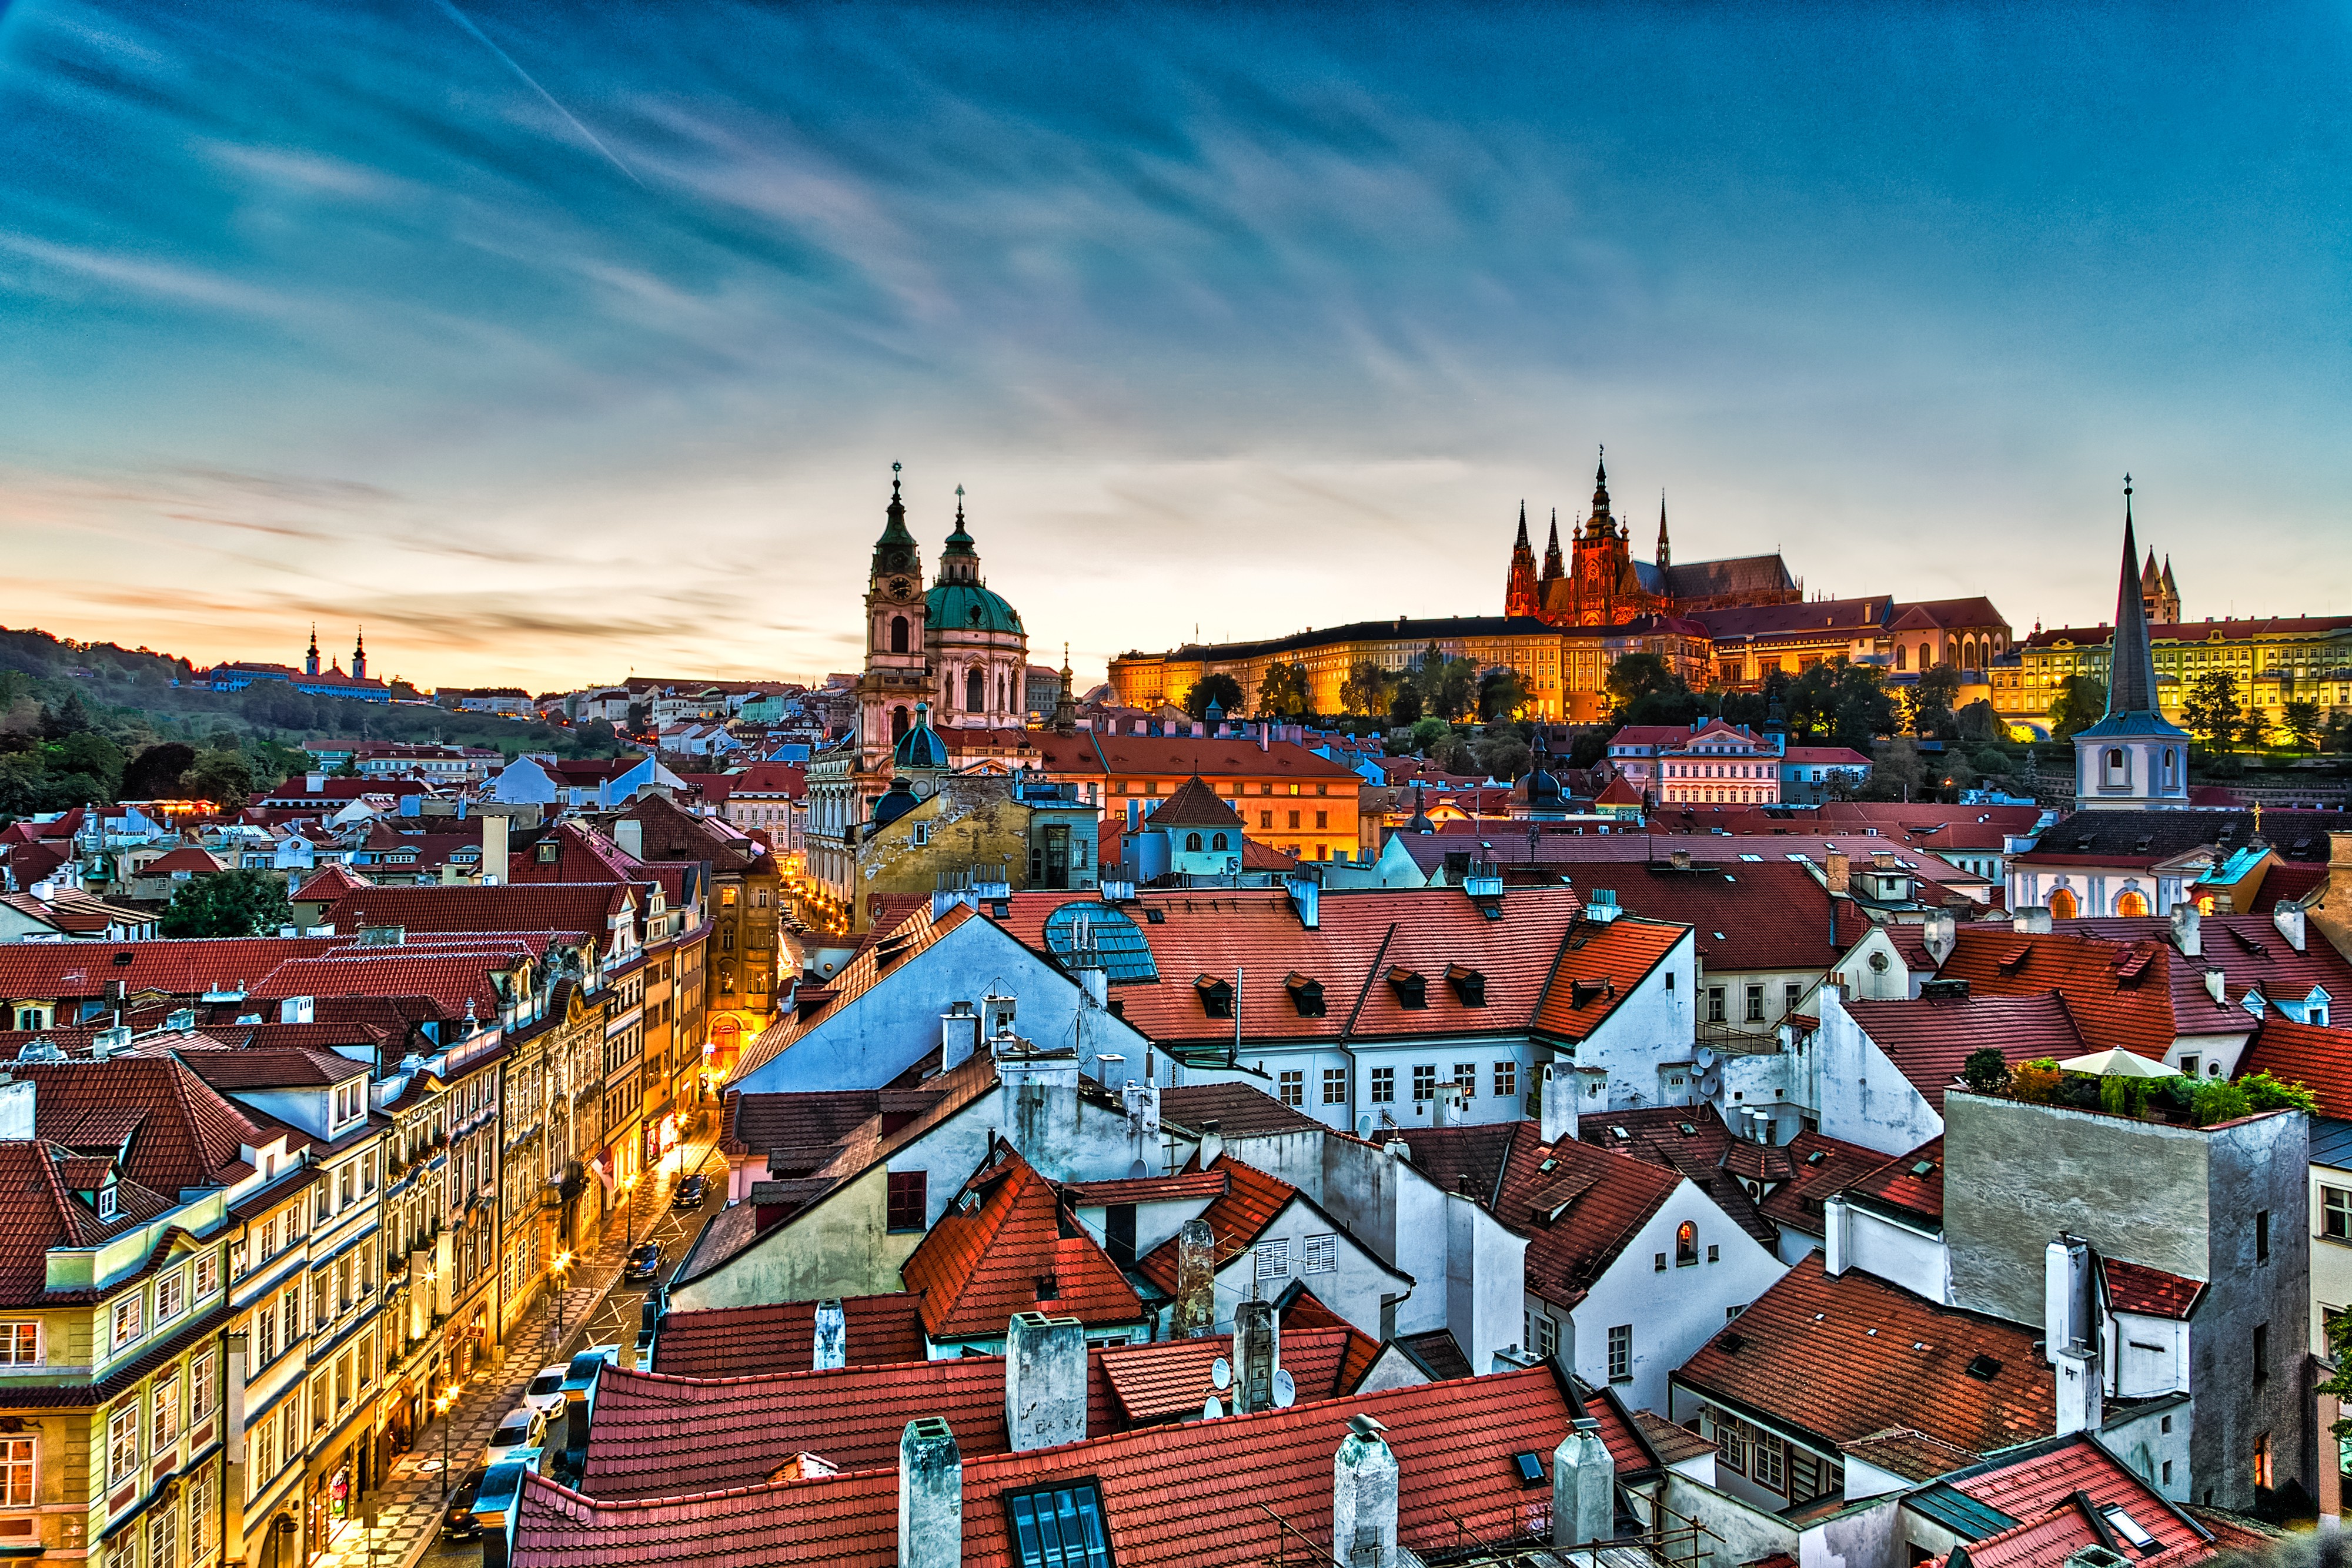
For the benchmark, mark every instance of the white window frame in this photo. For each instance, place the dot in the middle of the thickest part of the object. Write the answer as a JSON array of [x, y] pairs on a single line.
[[1273, 1257], [165, 1423], [21, 1342], [1320, 1255], [20, 1472], [122, 1443], [171, 1296], [203, 1396], [130, 1319], [1620, 1353]]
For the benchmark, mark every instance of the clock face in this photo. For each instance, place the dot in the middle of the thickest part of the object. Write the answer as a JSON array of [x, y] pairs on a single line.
[[898, 588]]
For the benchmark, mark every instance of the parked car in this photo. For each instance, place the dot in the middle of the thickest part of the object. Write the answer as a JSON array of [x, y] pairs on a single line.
[[523, 1427], [611, 1353], [690, 1192], [545, 1393], [644, 1263], [457, 1522]]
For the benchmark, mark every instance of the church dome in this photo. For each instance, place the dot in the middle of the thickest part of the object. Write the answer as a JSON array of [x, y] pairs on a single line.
[[920, 747], [969, 607], [896, 803]]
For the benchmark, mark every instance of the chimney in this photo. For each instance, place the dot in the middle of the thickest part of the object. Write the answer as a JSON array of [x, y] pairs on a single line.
[[830, 1338], [1195, 1312], [1449, 1105], [930, 1496], [314, 783], [1364, 1497], [2069, 1332], [1583, 1488], [2032, 921], [1044, 1381], [1881, 859], [494, 848], [1095, 983], [1257, 1352], [1838, 872], [15, 1109], [630, 834], [1939, 932], [2332, 911], [2215, 981], [1833, 1237], [2189, 929], [1556, 1102], [1681, 858], [1212, 1142], [296, 1009], [959, 1036], [2289, 919], [1305, 899]]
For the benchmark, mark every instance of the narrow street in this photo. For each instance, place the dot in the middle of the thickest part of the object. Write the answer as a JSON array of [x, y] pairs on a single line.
[[596, 1309]]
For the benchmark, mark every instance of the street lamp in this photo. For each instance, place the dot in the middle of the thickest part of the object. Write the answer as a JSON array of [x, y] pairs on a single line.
[[629, 1209], [563, 1263], [441, 1407]]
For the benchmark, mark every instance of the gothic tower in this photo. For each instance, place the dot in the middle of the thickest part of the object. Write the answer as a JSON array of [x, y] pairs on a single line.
[[2134, 758], [1666, 555], [1553, 570], [1600, 559], [1520, 596]]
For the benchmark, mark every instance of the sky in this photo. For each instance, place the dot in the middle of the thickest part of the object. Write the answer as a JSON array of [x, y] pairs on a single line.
[[554, 343]]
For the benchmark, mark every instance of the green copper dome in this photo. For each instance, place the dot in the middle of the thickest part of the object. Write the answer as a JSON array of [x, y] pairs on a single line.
[[967, 607]]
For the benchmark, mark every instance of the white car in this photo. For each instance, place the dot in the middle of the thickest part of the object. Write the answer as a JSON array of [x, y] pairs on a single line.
[[524, 1427], [545, 1393]]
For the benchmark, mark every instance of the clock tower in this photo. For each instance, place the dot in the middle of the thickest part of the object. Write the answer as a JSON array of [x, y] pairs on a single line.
[[897, 676]]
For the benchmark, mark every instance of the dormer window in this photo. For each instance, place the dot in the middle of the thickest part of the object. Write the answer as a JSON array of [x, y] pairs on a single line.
[[105, 1201], [1469, 985], [1216, 996], [1410, 986], [1305, 994]]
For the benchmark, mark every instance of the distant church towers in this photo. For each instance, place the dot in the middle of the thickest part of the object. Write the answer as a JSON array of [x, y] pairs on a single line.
[[1521, 596]]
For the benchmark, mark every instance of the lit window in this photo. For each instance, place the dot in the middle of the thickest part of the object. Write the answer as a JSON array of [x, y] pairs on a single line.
[[1685, 1243], [18, 1472], [20, 1345]]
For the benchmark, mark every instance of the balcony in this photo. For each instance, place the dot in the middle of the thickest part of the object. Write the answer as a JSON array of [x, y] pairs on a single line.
[[1737, 1039]]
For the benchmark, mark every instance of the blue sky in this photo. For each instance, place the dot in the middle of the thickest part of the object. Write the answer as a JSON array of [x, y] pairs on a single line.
[[553, 342]]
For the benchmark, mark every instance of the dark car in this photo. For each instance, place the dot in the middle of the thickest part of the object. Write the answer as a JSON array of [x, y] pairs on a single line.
[[459, 1523], [690, 1193], [644, 1263]]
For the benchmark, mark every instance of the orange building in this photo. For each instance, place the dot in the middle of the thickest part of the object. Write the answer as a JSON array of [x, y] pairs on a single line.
[[1288, 798]]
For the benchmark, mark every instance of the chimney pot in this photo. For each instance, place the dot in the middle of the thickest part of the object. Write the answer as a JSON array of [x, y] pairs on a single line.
[[930, 1496], [1044, 1381], [1257, 1352]]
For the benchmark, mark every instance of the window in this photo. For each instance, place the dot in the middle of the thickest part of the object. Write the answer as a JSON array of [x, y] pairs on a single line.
[[20, 1345], [2262, 1236], [1715, 1004], [1293, 1087], [167, 1411], [202, 1396], [1506, 1080], [2262, 1348], [1465, 1076], [18, 1472], [1424, 1082], [1293, 821], [1765, 1463], [1322, 1255], [1620, 1353], [122, 1443], [1383, 1085], [1323, 818], [1265, 819], [163, 1538], [1059, 1527], [128, 1319], [1685, 1243], [907, 1202], [199, 1517], [1545, 1338], [1714, 1253], [2336, 1213], [207, 1274], [1754, 1004], [1335, 1086], [2262, 1476], [1793, 992], [171, 1296], [1273, 1259]]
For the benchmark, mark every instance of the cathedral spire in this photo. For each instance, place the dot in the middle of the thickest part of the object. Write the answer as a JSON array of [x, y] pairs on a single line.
[[895, 553], [1553, 568], [1666, 555], [310, 661], [1520, 594], [2131, 668], [1523, 525], [1603, 525]]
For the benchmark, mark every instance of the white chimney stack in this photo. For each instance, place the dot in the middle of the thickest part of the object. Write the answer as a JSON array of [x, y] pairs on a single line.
[[1044, 1381], [831, 1339], [1583, 1489], [1364, 1497], [930, 1496], [1257, 1352], [2189, 929], [2289, 919], [1558, 1102]]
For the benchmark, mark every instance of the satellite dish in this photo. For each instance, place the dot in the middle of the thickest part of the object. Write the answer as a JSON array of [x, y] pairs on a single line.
[[1211, 1409], [1220, 1373], [1136, 1172], [1285, 1389], [1364, 1125]]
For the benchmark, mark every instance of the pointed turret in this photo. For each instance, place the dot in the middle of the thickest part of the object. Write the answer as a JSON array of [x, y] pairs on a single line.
[[311, 660], [2131, 668], [2134, 758], [1520, 594], [1666, 555], [1603, 525], [359, 656], [1554, 569], [960, 560], [1065, 702]]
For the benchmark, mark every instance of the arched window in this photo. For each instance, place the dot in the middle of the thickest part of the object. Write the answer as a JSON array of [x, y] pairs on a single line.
[[898, 633], [2131, 903], [1686, 1242], [975, 691], [1193, 842], [2170, 768], [2062, 903], [1218, 842], [2116, 765], [1902, 658], [899, 720], [1926, 657]]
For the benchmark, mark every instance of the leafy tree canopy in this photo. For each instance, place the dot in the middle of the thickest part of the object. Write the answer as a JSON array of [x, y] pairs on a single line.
[[240, 902]]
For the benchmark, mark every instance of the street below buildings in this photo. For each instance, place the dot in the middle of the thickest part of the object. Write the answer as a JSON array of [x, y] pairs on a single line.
[[594, 1309]]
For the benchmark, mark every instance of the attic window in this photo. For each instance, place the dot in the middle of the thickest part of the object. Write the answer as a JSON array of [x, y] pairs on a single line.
[[1732, 1343], [1411, 988], [1155, 915], [1305, 995], [1984, 1367], [1530, 1468], [1059, 1525], [1049, 1288], [1216, 996], [106, 1201], [122, 958], [2128, 1528], [546, 851], [1923, 1169], [1817, 1156], [1469, 985]]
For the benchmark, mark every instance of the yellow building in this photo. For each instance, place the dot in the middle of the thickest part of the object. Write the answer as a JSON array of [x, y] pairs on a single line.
[[2276, 660]]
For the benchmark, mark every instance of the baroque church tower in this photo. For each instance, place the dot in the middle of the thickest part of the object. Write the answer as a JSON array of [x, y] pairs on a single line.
[[897, 676]]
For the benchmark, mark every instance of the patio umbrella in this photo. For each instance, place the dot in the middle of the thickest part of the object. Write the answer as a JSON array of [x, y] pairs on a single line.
[[2118, 1063]]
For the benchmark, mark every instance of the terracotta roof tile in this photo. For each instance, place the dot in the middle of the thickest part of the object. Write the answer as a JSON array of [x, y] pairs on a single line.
[[1251, 1201], [43, 1211], [2320, 1059], [1239, 1110], [183, 968], [2137, 1288], [1692, 1141], [1175, 1188], [1928, 1040], [1600, 964], [1769, 914], [1838, 1359], [1001, 1248], [1902, 1186], [2041, 1489], [181, 1132], [2247, 948]]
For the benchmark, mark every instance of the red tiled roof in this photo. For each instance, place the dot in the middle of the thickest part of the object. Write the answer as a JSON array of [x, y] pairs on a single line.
[[1839, 1359], [1901, 1185], [2118, 994], [182, 1132], [1238, 1110], [1208, 1183], [1194, 804], [183, 968], [1170, 1380], [981, 1264], [187, 858], [1453, 1442], [2137, 1288], [1909, 1453], [1928, 1040], [589, 908], [1744, 915], [2249, 951], [1250, 1202], [1692, 1141], [1796, 1202], [329, 882], [451, 979], [1599, 965], [2041, 1490], [42, 1212], [2320, 1059], [263, 1067], [750, 1342]]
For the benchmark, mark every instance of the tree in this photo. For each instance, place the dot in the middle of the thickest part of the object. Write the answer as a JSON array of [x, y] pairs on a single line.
[[1812, 700], [2213, 712], [1367, 688], [1219, 688], [1502, 754], [1985, 1072], [87, 751], [221, 777], [1864, 711], [1979, 723], [1897, 773], [1992, 759], [1502, 693], [1953, 775], [241, 903], [1283, 691], [1405, 707], [70, 717], [2301, 719], [2081, 703], [1449, 687], [2256, 729], [1638, 676], [1927, 705]]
